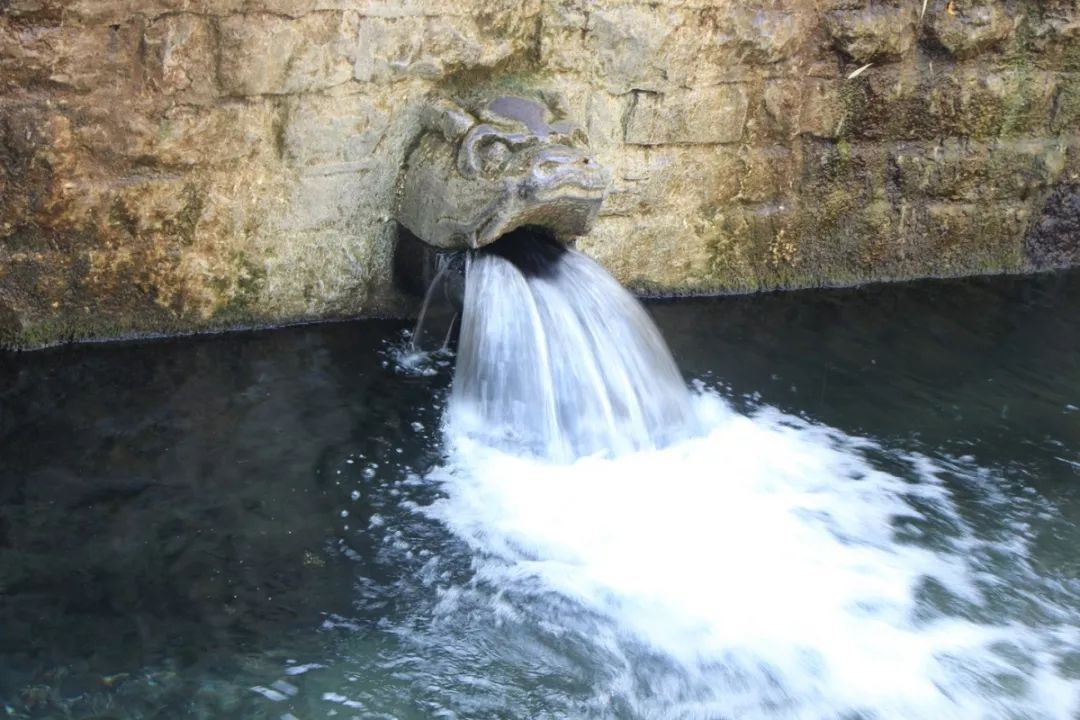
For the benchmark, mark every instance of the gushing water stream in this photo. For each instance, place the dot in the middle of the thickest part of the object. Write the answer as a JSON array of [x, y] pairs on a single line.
[[715, 565], [557, 359]]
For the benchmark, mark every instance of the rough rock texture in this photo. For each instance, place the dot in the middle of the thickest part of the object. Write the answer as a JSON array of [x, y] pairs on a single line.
[[175, 165]]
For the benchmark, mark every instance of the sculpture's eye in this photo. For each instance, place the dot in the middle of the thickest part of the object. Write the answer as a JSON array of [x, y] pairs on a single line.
[[493, 156]]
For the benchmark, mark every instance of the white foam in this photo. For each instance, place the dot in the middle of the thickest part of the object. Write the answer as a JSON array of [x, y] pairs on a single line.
[[762, 562]]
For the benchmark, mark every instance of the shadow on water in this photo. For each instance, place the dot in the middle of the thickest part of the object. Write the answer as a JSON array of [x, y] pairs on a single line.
[[956, 364], [175, 504], [178, 518]]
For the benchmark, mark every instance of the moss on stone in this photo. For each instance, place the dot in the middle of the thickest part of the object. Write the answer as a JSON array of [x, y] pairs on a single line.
[[241, 289], [188, 218], [1067, 104]]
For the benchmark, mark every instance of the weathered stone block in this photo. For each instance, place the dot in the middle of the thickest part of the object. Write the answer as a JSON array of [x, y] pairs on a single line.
[[270, 54], [205, 135], [661, 47], [768, 174], [432, 47], [662, 256], [843, 174], [105, 12], [670, 180], [331, 130], [960, 237], [905, 103], [823, 108], [1049, 35], [982, 103], [969, 28], [847, 234], [766, 36], [27, 54], [102, 59], [604, 115], [734, 242], [480, 40], [181, 55], [783, 105], [387, 48], [877, 33], [1066, 117], [627, 46], [562, 35], [1071, 174], [707, 116], [320, 202], [961, 169]]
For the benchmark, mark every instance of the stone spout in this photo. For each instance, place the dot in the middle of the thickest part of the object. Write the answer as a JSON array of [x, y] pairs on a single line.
[[510, 162]]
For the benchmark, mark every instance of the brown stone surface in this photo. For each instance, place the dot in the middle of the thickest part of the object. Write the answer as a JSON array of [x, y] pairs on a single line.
[[179, 165], [709, 116]]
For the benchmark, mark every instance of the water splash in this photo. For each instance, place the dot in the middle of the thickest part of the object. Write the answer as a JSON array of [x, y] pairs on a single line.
[[557, 359], [426, 350], [766, 569], [405, 357], [684, 560]]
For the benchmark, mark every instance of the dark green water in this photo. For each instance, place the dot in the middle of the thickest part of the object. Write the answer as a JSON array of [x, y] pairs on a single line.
[[184, 523]]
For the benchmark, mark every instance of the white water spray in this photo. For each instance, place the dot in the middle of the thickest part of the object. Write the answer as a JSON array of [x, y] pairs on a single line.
[[763, 570]]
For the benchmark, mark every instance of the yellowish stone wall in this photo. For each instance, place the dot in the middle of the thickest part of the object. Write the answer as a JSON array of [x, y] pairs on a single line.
[[177, 165]]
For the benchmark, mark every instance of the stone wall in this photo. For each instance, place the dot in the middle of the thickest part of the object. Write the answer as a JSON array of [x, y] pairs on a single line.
[[175, 165]]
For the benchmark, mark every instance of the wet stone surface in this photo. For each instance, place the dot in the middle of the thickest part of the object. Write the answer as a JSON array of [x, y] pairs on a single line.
[[1054, 242]]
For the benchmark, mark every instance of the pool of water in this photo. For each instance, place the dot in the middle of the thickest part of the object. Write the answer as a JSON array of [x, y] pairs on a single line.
[[880, 519]]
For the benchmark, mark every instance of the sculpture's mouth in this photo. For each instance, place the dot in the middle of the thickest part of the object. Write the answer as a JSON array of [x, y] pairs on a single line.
[[532, 250], [570, 192], [562, 172], [563, 212]]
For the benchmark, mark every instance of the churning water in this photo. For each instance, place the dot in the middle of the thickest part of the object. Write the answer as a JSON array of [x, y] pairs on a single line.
[[873, 513], [765, 568], [768, 569]]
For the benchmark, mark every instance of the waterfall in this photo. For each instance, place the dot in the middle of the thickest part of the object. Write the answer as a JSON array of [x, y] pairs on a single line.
[[557, 359]]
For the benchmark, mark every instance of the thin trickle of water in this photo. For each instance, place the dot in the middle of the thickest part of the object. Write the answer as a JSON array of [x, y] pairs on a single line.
[[427, 348], [557, 359]]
